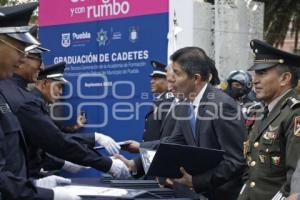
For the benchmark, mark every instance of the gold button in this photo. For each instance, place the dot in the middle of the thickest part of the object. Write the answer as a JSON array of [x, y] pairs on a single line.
[[252, 184], [256, 144]]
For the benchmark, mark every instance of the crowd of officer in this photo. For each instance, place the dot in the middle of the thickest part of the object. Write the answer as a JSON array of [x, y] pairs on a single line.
[[28, 134], [257, 123]]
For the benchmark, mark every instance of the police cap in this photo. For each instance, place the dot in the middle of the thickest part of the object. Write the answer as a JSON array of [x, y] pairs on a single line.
[[266, 56], [54, 72], [14, 22], [159, 69]]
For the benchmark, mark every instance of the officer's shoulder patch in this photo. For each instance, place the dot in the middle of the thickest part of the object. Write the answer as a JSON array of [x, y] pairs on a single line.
[[4, 108], [292, 102], [297, 126]]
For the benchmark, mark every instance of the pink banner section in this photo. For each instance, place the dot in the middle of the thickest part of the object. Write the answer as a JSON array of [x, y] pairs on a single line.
[[57, 12]]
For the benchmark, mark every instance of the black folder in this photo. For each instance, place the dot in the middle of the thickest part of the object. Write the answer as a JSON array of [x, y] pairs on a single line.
[[170, 157], [134, 184]]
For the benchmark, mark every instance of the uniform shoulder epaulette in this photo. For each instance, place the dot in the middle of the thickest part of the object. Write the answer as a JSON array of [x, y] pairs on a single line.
[[4, 108], [169, 95], [292, 102]]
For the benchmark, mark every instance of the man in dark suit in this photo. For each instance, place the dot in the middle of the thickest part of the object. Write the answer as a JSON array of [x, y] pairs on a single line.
[[218, 124]]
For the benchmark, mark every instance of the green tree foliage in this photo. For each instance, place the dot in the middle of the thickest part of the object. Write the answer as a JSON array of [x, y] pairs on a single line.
[[3, 2], [279, 16]]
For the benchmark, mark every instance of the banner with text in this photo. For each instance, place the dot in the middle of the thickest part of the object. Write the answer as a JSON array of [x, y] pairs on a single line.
[[108, 46]]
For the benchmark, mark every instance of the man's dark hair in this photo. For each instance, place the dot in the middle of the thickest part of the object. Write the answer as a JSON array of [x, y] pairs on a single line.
[[293, 70], [215, 80], [193, 60]]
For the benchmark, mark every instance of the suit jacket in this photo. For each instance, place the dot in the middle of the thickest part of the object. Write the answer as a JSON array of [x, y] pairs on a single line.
[[219, 125], [166, 129]]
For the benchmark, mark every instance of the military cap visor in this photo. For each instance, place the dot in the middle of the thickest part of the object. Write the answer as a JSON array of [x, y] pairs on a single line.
[[24, 37], [14, 22], [54, 72], [159, 69], [37, 50], [157, 74], [257, 67], [57, 77], [266, 56]]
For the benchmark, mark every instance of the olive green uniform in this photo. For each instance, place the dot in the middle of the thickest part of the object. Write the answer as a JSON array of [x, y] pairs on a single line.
[[272, 151]]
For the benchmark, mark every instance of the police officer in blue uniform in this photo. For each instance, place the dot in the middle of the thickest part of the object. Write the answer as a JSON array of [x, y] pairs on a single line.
[[13, 162], [163, 100], [30, 109], [39, 129], [48, 89]]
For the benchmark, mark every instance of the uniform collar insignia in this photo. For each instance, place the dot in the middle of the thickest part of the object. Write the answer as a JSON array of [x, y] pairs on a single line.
[[271, 128]]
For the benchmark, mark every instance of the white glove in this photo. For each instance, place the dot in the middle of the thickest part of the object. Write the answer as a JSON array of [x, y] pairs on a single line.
[[51, 182], [73, 168], [62, 194], [109, 144], [118, 169]]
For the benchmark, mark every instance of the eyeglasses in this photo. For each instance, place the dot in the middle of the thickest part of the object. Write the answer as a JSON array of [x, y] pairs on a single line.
[[26, 53]]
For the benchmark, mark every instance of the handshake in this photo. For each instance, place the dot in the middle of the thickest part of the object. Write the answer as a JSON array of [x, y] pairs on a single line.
[[121, 167]]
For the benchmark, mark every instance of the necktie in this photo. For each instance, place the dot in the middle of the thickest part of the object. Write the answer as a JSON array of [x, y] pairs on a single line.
[[192, 119], [266, 112]]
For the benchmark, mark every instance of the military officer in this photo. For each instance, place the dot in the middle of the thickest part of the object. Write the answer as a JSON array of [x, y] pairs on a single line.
[[13, 162], [272, 148], [163, 100]]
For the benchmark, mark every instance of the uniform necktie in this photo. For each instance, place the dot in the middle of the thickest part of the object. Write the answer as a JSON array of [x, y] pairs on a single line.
[[266, 112]]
